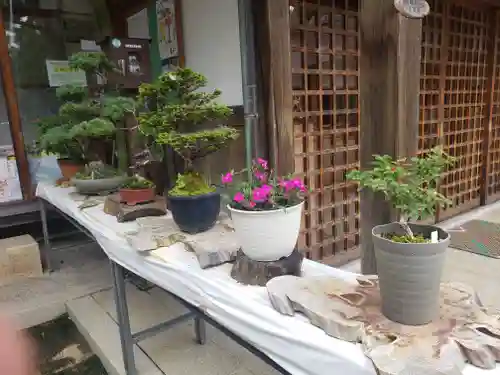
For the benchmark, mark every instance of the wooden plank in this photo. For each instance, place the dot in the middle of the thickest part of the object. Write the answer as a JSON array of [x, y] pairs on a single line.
[[488, 119], [389, 43], [13, 114], [278, 19]]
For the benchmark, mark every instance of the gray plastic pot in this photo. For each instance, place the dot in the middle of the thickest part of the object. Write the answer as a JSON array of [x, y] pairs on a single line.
[[103, 185], [410, 274]]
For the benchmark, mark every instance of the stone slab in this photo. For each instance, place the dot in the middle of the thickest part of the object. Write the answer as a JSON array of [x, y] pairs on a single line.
[[19, 257]]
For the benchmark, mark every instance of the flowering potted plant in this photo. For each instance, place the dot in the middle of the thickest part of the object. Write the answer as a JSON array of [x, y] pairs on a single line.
[[410, 257], [266, 211]]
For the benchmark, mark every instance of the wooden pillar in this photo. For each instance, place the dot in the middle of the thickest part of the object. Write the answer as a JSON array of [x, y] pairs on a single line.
[[488, 118], [281, 94], [9, 91], [390, 50]]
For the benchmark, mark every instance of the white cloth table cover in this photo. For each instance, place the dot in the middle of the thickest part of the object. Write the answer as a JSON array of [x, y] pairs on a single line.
[[292, 342]]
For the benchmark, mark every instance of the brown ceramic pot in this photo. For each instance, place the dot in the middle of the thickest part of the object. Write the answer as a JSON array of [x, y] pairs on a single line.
[[137, 196], [69, 168]]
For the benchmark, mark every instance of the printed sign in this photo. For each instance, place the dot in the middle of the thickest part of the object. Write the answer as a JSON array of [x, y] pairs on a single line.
[[167, 29], [60, 74]]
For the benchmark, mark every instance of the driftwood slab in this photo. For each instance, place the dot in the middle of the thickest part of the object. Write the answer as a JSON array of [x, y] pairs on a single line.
[[251, 272], [216, 246], [124, 213], [464, 333]]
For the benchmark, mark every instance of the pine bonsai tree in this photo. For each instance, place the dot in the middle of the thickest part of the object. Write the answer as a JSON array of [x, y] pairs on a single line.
[[87, 113], [178, 116]]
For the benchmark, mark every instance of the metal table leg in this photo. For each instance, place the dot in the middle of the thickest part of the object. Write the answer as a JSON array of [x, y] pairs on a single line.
[[200, 330], [126, 338], [47, 248]]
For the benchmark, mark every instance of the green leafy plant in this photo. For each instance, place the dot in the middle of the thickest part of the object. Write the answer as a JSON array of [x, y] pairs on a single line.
[[97, 171], [137, 183], [87, 114], [177, 116], [411, 185]]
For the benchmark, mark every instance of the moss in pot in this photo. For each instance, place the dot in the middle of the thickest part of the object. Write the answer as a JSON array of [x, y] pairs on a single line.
[[97, 178], [179, 117], [409, 257], [137, 190]]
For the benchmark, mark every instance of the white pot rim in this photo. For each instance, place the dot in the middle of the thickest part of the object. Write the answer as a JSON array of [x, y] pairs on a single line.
[[267, 212]]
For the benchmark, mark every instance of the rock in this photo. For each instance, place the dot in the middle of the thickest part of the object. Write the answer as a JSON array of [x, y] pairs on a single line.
[[19, 256], [464, 332]]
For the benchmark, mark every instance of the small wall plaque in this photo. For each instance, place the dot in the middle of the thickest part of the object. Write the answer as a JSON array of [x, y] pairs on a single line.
[[412, 8]]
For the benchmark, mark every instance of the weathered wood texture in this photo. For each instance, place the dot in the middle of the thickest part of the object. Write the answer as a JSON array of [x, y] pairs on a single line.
[[251, 272], [390, 68], [124, 213], [465, 331], [280, 72]]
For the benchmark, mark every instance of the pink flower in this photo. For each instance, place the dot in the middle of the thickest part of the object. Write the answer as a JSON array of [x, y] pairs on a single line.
[[238, 197], [266, 188], [260, 176], [251, 204], [260, 194], [263, 163], [227, 178]]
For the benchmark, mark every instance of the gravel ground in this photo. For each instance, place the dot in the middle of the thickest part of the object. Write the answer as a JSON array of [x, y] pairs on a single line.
[[63, 350]]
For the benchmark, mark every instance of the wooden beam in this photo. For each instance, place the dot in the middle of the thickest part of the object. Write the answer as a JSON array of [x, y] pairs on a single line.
[[280, 71], [490, 101], [390, 46], [9, 90]]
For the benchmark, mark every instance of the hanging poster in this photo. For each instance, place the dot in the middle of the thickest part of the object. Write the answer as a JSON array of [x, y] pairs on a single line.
[[167, 29], [60, 73]]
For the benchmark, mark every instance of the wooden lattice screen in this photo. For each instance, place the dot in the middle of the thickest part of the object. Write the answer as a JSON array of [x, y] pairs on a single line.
[[325, 54], [454, 96], [493, 180]]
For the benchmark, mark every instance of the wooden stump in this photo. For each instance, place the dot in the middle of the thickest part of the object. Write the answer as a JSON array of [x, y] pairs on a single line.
[[252, 272], [123, 212], [465, 332]]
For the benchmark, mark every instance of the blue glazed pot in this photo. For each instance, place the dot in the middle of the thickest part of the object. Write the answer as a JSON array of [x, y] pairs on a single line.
[[195, 214]]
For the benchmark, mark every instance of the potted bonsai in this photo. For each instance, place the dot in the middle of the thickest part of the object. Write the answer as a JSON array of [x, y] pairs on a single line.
[[98, 178], [178, 117], [88, 118], [137, 190], [266, 211], [410, 257]]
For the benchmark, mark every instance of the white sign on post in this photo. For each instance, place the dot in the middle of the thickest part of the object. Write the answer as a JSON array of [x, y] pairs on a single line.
[[60, 74]]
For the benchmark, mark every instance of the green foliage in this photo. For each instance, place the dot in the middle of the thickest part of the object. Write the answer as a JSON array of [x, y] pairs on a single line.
[[176, 110], [191, 184], [91, 62], [137, 183], [117, 107], [407, 238], [97, 171], [410, 184], [195, 145], [85, 114], [72, 93]]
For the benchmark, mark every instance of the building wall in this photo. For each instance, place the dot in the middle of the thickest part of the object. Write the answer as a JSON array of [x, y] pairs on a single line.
[[211, 43]]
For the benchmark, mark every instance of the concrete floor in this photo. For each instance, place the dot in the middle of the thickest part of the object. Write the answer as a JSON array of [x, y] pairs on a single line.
[[83, 283]]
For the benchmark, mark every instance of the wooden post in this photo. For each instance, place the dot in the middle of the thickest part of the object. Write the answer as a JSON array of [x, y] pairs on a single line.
[[488, 119], [280, 71], [390, 46], [9, 90]]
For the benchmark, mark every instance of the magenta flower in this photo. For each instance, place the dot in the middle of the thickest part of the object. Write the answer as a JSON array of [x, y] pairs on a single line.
[[260, 176], [227, 178], [266, 188], [260, 194], [263, 163], [238, 197]]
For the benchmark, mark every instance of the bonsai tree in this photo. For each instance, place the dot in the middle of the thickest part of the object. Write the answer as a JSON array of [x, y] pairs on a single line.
[[87, 114], [178, 116], [411, 185]]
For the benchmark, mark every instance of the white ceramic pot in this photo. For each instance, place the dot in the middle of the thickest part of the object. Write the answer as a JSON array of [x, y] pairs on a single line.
[[267, 235]]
